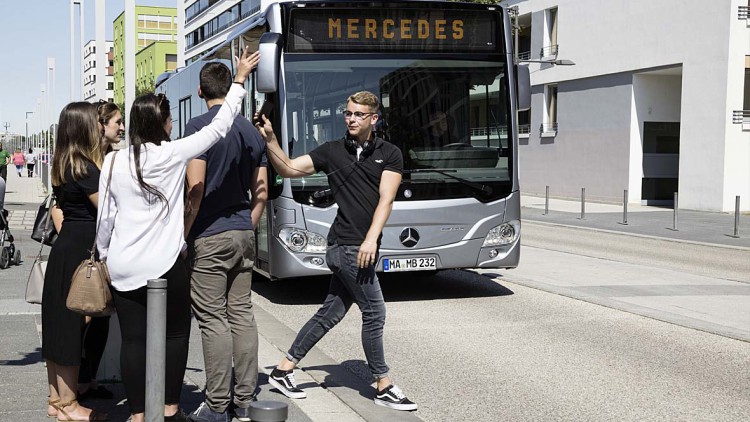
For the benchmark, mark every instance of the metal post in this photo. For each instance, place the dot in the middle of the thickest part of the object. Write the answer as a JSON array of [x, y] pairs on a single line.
[[737, 216], [625, 208], [268, 411], [583, 203], [546, 200], [674, 216], [156, 348]]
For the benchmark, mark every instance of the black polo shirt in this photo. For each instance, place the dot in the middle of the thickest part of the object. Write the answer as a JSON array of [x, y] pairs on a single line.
[[355, 184]]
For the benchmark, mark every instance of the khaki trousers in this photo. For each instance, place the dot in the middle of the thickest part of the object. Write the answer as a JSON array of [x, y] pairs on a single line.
[[220, 284]]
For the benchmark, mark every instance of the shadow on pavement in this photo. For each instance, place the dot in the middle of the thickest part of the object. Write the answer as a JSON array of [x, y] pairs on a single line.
[[446, 284], [30, 358], [118, 408]]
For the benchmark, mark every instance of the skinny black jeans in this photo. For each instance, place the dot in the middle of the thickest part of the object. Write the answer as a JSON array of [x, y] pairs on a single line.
[[131, 311]]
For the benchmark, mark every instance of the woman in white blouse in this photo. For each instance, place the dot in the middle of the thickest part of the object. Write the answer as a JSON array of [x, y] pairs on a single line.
[[141, 232]]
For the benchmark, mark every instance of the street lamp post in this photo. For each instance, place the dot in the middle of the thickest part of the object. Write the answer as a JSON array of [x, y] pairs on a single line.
[[26, 139], [51, 116]]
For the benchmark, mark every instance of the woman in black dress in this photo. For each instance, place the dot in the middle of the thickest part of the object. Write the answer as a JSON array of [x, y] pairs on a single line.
[[111, 129], [75, 182]]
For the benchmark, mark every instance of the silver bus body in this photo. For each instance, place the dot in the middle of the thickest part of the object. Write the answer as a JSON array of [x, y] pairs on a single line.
[[459, 205]]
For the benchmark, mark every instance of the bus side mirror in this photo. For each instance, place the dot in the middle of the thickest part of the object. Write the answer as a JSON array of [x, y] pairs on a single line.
[[267, 76], [524, 88]]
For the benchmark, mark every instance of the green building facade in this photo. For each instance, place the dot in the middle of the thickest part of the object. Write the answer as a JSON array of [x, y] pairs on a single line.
[[153, 60], [155, 32]]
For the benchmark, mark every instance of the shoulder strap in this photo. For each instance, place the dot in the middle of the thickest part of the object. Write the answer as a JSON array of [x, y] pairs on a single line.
[[104, 198]]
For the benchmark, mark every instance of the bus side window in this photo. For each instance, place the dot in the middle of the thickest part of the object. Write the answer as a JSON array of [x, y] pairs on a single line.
[[185, 113]]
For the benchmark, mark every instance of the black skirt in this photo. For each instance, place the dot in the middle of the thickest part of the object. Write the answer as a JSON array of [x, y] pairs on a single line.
[[62, 329]]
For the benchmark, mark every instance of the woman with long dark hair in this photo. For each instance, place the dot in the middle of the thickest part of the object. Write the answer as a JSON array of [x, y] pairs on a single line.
[[75, 182], [141, 232]]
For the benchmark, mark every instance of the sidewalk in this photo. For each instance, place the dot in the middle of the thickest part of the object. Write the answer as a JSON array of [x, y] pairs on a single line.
[[23, 377], [23, 195], [692, 226]]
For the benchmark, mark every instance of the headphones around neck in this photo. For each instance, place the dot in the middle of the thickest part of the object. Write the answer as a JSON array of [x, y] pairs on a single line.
[[367, 148]]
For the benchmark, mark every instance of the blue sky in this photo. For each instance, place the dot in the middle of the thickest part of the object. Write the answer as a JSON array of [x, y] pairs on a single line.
[[33, 30]]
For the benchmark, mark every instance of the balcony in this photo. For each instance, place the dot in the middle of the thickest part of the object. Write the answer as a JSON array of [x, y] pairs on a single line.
[[741, 117], [548, 129], [525, 55], [548, 51], [491, 131], [743, 13]]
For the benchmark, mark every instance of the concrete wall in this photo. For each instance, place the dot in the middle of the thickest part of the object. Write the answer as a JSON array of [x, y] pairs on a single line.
[[704, 40], [592, 139]]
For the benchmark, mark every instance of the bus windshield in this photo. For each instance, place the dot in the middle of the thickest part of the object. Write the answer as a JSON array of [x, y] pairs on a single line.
[[449, 117]]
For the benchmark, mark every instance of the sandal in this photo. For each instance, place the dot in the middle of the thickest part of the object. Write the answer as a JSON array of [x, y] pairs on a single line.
[[52, 403], [94, 416]]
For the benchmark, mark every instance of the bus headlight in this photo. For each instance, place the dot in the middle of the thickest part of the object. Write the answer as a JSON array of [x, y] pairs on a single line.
[[298, 240], [503, 234]]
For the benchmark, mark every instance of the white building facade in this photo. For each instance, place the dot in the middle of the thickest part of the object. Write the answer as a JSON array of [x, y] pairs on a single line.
[[92, 91], [653, 105]]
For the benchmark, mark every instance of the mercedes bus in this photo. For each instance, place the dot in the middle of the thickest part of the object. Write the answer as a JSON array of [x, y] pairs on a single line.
[[449, 92]]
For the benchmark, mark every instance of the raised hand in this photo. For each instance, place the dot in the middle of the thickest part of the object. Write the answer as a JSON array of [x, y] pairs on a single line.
[[245, 65], [264, 127]]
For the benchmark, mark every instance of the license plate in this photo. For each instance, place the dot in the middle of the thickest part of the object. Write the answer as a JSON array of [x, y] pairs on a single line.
[[409, 264]]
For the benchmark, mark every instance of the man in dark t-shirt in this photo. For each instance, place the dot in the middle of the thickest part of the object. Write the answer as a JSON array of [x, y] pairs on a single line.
[[219, 224], [364, 173]]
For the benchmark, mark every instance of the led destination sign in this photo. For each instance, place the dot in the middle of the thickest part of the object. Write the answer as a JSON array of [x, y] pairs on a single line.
[[405, 30]]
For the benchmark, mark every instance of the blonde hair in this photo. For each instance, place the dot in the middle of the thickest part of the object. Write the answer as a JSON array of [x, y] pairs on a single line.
[[365, 98]]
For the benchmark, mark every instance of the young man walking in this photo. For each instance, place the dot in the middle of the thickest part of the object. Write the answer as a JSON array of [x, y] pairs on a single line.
[[220, 223], [364, 173]]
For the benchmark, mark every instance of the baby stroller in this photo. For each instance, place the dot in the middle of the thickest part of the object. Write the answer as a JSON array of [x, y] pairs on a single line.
[[8, 252]]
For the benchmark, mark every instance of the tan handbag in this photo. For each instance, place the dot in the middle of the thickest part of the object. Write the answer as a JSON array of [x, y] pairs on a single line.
[[90, 293]]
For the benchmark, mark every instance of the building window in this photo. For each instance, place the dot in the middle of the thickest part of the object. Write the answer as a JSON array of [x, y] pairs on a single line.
[[110, 85], [549, 125], [171, 62], [549, 48]]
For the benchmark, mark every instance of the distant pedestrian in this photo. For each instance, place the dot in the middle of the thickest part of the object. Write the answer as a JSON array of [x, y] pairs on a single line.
[[4, 161], [142, 233], [30, 162], [75, 183], [364, 173], [19, 160], [222, 247]]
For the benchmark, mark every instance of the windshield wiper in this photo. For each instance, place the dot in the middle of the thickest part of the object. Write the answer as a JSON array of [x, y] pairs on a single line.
[[474, 185]]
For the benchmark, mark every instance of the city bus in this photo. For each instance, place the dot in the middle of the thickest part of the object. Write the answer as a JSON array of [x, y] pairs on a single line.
[[449, 93]]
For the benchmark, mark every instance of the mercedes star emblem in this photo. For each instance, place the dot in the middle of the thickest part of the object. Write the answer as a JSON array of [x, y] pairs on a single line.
[[409, 237]]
